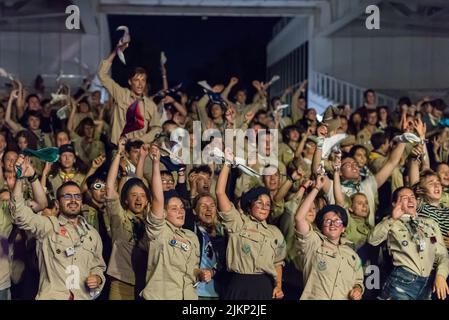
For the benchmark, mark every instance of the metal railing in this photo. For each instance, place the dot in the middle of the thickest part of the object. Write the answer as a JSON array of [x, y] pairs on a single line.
[[342, 92]]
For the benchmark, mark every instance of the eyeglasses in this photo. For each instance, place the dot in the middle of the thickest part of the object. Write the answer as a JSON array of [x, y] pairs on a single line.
[[168, 182], [336, 223], [350, 164], [69, 196], [98, 186]]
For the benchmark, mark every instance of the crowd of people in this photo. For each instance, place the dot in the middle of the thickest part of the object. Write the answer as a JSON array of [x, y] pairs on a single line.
[[112, 216]]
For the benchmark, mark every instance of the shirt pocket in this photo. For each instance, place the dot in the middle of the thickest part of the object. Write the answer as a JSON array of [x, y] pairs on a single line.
[[250, 243], [58, 246]]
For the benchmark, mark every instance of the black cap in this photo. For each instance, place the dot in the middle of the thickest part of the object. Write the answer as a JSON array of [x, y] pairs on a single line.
[[67, 148], [250, 196], [331, 208]]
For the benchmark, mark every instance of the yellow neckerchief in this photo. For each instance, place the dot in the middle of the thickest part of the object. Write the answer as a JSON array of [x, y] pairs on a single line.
[[67, 176]]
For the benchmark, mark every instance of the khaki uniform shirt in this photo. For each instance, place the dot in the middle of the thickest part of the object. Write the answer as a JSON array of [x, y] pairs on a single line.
[[357, 231], [124, 241], [124, 98], [377, 162], [5, 248], [43, 139], [62, 273], [87, 151], [57, 180], [172, 259], [405, 251], [364, 138], [254, 247], [91, 216], [330, 271]]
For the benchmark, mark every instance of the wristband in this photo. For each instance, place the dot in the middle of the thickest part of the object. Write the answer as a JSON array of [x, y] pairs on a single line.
[[33, 178], [320, 143]]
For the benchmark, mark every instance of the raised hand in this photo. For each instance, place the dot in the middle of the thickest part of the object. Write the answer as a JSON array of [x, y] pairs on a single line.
[[420, 128], [234, 81], [144, 151], [98, 161], [121, 145], [155, 153], [24, 169], [319, 182]]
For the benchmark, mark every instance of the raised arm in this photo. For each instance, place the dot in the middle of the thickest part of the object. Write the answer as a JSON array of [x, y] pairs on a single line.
[[143, 154], [224, 204], [103, 74], [302, 143], [157, 205], [22, 215], [316, 161], [227, 90], [20, 103], [111, 191], [381, 230], [338, 192], [393, 160], [97, 163], [301, 224], [179, 107], [14, 126]]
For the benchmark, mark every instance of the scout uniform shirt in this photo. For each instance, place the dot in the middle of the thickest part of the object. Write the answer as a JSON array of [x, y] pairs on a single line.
[[172, 259], [330, 271], [254, 247], [128, 243], [357, 231], [124, 98], [87, 151], [67, 254], [62, 177], [5, 247], [416, 253]]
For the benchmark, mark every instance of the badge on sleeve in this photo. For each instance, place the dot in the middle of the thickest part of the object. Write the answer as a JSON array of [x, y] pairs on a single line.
[[173, 242], [404, 243]]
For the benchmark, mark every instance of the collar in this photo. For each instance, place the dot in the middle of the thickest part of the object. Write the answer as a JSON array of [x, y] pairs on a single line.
[[351, 184], [263, 223], [173, 228], [343, 241]]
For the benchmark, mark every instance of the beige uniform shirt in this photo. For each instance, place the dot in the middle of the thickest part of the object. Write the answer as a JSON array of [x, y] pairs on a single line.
[[357, 231], [57, 180], [62, 271], [173, 256], [405, 251], [254, 247], [91, 216], [330, 271], [43, 139], [123, 241], [124, 98], [87, 151], [5, 248]]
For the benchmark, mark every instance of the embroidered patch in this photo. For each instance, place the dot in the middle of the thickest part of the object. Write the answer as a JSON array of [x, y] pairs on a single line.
[[246, 248], [322, 265], [433, 239], [404, 243], [63, 231]]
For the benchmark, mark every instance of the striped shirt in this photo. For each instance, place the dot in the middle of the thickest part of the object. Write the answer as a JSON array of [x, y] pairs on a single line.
[[438, 214]]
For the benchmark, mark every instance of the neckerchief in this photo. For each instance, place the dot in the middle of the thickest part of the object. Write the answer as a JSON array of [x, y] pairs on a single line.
[[67, 176], [351, 185], [134, 119]]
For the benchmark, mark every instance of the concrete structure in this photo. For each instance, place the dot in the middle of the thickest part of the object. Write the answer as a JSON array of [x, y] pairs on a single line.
[[407, 55], [323, 40]]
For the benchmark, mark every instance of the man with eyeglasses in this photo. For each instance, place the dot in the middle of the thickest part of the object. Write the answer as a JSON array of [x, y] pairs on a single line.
[[332, 270], [350, 173], [69, 249]]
